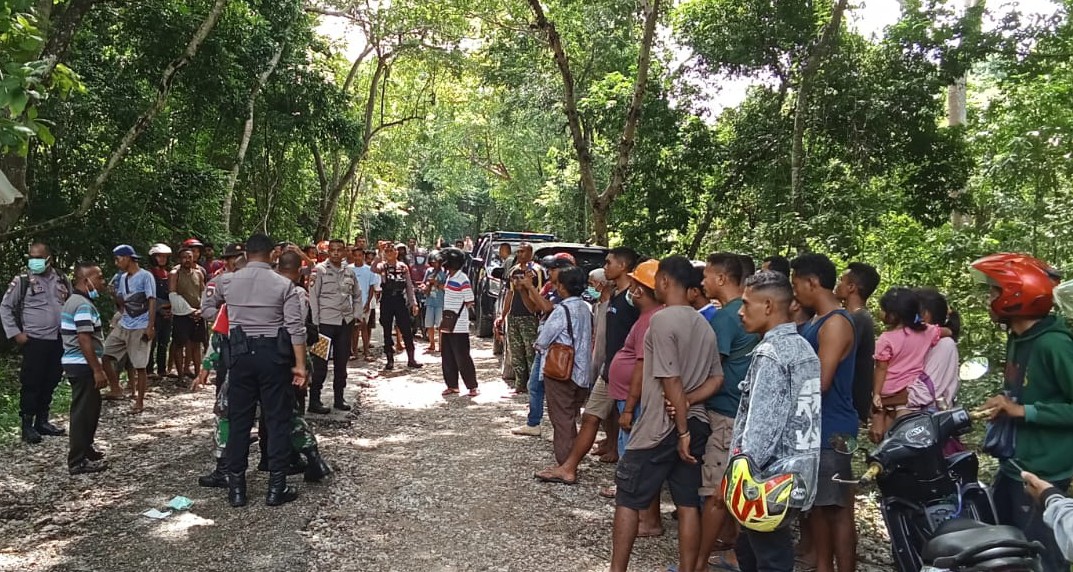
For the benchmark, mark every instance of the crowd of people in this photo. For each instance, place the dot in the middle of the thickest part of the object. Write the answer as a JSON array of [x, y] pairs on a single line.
[[744, 392], [741, 390]]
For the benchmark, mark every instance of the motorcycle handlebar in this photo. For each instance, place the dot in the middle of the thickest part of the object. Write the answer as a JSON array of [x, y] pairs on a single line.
[[981, 414]]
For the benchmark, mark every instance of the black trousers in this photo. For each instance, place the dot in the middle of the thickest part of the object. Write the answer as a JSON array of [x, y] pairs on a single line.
[[39, 375], [765, 551], [158, 355], [340, 336], [85, 413], [457, 360], [393, 309], [262, 375]]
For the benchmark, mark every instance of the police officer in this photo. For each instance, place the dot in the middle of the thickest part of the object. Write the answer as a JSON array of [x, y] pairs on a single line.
[[334, 302], [397, 303], [266, 355], [30, 313]]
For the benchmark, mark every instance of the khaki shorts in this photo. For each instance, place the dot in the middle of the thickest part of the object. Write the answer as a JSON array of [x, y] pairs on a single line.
[[600, 403], [717, 453], [131, 344]]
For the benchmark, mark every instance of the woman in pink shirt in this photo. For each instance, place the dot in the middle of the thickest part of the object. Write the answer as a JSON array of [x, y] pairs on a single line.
[[901, 385]]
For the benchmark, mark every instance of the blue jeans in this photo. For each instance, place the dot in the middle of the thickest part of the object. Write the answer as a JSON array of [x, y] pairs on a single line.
[[536, 392], [623, 435]]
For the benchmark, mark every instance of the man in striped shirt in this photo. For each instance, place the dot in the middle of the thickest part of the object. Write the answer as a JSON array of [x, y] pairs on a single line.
[[454, 340], [83, 347]]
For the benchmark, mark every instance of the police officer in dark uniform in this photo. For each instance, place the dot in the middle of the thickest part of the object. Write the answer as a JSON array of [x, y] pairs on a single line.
[[398, 304], [266, 353]]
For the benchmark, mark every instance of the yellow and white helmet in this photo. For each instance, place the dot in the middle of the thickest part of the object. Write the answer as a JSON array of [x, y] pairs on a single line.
[[760, 504]]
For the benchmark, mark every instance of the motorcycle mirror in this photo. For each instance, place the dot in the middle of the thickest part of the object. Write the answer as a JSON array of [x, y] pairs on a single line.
[[973, 368]]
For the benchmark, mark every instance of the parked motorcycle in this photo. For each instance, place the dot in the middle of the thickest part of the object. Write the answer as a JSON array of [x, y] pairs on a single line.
[[939, 516]]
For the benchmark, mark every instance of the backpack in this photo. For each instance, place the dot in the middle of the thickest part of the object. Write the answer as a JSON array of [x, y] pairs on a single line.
[[24, 287]]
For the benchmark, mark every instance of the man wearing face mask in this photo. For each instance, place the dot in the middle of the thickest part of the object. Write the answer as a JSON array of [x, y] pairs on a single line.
[[30, 312], [82, 348]]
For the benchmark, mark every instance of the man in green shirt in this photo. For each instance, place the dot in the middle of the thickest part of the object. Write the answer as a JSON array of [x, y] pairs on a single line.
[[722, 282]]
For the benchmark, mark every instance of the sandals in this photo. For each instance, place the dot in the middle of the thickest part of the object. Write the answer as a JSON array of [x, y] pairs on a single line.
[[473, 393], [450, 391]]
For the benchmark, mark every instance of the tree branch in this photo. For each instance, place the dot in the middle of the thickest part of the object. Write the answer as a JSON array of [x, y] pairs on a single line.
[[581, 144], [617, 181], [135, 132]]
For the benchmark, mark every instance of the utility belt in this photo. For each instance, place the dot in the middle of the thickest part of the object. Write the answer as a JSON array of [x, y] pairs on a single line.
[[279, 347]]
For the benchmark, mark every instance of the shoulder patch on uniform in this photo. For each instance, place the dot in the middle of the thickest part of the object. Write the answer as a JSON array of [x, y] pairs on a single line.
[[210, 290]]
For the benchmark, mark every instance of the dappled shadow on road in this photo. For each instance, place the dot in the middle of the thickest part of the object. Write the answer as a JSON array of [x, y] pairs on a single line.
[[54, 522]]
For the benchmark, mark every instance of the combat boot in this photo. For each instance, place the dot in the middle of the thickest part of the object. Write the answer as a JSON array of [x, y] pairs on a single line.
[[315, 405], [29, 434], [278, 491], [316, 468], [236, 489], [217, 478], [43, 427]]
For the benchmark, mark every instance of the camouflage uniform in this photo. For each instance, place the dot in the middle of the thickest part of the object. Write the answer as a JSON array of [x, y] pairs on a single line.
[[521, 335]]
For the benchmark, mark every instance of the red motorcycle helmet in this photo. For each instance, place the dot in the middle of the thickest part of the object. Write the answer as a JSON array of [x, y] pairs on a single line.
[[192, 243], [1026, 284]]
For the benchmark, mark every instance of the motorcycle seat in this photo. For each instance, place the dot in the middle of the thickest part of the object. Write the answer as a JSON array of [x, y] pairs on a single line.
[[976, 543]]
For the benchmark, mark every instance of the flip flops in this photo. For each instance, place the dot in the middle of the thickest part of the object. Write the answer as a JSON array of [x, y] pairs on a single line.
[[450, 391]]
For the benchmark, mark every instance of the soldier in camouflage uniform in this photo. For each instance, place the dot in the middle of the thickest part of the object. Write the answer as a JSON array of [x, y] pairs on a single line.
[[520, 318]]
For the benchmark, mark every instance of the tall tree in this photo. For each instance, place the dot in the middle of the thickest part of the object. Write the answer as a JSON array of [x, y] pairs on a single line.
[[600, 201]]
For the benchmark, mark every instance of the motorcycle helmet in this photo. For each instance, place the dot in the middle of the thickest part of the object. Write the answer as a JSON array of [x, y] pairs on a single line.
[[159, 248], [763, 505], [193, 243], [435, 256], [1026, 284], [322, 246], [453, 258]]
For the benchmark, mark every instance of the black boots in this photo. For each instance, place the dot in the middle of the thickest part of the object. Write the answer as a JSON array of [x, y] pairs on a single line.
[[316, 469], [390, 365], [315, 405], [43, 427], [217, 478], [236, 489], [341, 405], [29, 433], [278, 491], [296, 466]]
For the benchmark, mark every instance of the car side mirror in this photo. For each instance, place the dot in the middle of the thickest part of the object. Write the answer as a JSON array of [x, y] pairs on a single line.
[[973, 368], [497, 273]]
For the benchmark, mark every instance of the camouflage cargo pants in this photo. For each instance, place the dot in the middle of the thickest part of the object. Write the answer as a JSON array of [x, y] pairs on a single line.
[[521, 335]]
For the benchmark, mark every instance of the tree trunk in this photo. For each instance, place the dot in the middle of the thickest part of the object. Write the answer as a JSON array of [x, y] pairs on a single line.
[[601, 202], [573, 117], [957, 115], [808, 71], [247, 134], [601, 209], [135, 131], [703, 227]]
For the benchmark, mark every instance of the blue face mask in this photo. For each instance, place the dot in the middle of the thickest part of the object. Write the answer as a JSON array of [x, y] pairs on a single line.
[[592, 292], [93, 294], [37, 265]]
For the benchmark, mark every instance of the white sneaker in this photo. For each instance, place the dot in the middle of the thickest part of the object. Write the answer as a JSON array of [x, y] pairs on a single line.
[[526, 431]]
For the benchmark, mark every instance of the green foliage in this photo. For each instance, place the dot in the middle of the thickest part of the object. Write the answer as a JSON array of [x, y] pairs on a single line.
[[26, 79]]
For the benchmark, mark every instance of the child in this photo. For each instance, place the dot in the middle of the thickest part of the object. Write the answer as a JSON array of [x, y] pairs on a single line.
[[900, 384], [435, 278]]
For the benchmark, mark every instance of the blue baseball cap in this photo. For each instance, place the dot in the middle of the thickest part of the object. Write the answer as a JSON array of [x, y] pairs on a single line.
[[125, 250]]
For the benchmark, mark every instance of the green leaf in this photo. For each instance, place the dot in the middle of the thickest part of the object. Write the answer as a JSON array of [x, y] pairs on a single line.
[[18, 103]]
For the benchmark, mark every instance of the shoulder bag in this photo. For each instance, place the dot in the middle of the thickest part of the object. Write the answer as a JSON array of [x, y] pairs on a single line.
[[559, 359]]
